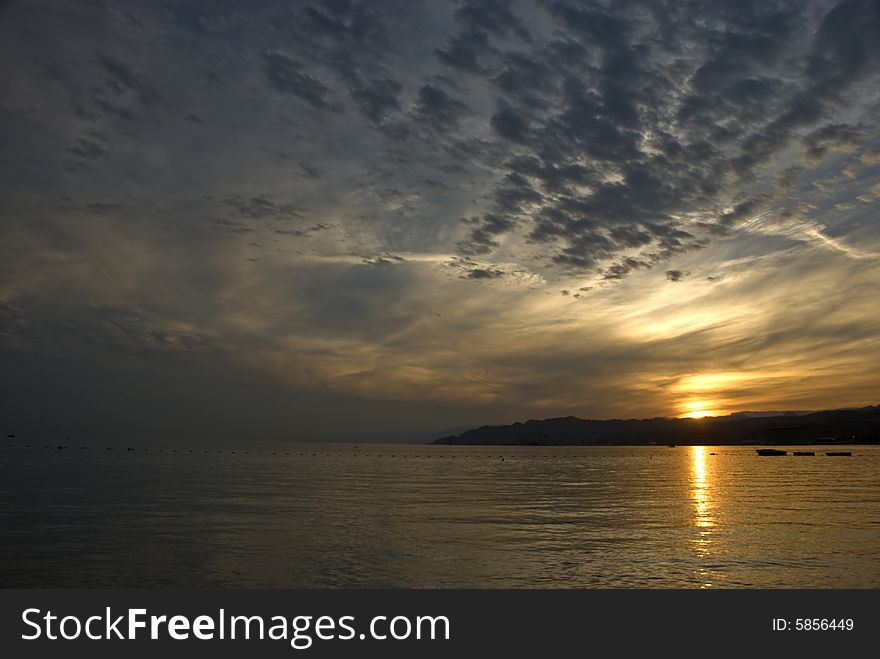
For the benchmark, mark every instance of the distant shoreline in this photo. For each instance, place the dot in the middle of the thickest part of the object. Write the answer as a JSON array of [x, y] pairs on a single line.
[[831, 427], [745, 444]]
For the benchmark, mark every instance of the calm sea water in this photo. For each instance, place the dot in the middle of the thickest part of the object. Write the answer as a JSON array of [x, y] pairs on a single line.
[[420, 516]]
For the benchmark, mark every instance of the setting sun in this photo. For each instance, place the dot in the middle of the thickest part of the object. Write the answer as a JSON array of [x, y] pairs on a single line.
[[699, 409]]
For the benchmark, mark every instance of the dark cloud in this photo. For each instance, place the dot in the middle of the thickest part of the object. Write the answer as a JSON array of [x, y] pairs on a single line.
[[603, 127], [844, 50], [831, 137], [485, 273], [477, 20], [352, 40], [87, 149], [437, 109], [675, 275], [303, 233], [231, 227], [472, 270], [631, 236], [113, 88], [526, 78], [515, 194], [511, 125], [587, 123], [384, 259], [123, 79], [607, 165], [846, 47], [378, 99], [592, 22], [494, 16], [483, 238], [102, 208], [742, 211], [262, 207], [463, 51], [627, 265], [286, 75], [554, 178], [347, 23]]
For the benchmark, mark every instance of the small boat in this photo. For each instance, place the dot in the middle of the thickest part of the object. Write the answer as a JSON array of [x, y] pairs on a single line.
[[839, 453], [770, 451], [805, 453], [671, 445]]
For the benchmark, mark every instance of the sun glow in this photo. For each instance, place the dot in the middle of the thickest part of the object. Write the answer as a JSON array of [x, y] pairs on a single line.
[[698, 409]]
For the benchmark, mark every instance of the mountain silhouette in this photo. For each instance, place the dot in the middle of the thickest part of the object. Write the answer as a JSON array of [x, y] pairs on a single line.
[[851, 426]]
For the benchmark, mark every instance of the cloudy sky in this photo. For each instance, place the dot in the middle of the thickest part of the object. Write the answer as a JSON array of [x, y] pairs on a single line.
[[394, 218]]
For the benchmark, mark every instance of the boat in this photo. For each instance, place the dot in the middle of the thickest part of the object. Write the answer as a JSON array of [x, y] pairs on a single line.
[[839, 453], [770, 451], [805, 453]]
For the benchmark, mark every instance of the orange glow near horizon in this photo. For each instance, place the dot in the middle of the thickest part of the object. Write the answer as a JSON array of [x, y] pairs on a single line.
[[699, 409]]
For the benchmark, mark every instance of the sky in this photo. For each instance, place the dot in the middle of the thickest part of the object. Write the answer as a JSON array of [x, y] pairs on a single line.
[[396, 219]]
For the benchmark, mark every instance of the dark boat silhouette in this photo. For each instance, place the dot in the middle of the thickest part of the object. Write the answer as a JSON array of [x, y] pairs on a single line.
[[770, 451], [839, 453], [805, 453]]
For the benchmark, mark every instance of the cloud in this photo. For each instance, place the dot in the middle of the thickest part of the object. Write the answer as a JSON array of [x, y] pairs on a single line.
[[261, 207], [483, 238], [463, 51], [384, 259], [286, 75], [437, 109], [493, 16], [123, 79], [87, 149], [510, 125], [485, 273], [620, 270], [871, 157], [378, 99]]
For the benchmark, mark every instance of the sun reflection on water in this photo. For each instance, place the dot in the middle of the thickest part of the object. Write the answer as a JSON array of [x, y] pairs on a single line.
[[700, 487], [701, 495]]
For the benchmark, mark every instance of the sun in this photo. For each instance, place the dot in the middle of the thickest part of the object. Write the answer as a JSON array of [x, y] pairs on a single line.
[[698, 409]]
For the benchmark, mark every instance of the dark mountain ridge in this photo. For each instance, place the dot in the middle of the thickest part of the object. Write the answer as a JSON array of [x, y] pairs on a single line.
[[850, 426]]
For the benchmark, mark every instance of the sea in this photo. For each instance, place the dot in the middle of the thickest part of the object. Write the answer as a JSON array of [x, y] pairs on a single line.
[[318, 515]]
